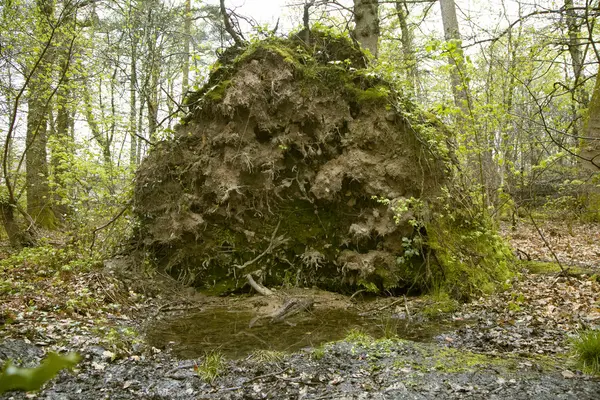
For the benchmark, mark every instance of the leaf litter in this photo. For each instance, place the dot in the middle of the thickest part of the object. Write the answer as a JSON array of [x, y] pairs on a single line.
[[528, 324]]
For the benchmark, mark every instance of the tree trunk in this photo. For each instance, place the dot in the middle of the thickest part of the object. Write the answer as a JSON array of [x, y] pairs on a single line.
[[187, 28], [366, 24], [38, 100], [408, 51], [62, 143], [133, 160], [455, 56], [579, 99], [590, 146], [38, 189]]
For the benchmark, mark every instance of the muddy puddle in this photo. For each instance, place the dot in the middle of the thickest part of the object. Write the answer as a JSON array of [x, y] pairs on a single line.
[[229, 332]]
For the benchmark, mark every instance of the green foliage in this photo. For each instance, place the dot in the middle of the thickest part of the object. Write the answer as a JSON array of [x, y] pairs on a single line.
[[50, 259], [586, 347], [120, 340], [29, 379], [211, 367]]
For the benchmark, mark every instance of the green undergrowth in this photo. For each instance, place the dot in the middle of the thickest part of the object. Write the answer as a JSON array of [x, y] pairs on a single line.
[[439, 303]]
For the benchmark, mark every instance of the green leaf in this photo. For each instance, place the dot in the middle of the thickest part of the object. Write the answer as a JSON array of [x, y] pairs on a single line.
[[28, 379]]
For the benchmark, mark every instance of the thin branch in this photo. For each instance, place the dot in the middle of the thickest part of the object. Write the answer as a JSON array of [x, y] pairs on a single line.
[[112, 221], [228, 27], [270, 248]]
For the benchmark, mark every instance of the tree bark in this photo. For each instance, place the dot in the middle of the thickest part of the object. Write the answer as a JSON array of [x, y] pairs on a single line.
[[590, 146], [366, 24], [39, 205], [456, 56], [187, 31], [408, 52], [62, 146]]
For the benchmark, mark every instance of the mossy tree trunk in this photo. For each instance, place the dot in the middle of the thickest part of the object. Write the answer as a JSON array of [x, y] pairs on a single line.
[[39, 95]]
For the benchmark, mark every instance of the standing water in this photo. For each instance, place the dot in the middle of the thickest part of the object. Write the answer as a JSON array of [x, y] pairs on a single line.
[[229, 332]]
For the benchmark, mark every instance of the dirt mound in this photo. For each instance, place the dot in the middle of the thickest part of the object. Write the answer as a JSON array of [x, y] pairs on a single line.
[[297, 165]]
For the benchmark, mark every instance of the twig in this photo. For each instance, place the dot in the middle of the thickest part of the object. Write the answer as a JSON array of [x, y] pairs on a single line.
[[113, 219], [256, 378], [186, 365], [563, 271], [408, 316], [519, 251], [391, 304], [357, 292]]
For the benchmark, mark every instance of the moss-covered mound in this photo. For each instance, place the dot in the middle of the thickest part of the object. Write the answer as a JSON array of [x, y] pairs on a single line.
[[297, 165]]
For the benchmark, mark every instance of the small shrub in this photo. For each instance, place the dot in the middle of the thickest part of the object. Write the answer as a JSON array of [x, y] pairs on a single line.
[[587, 348]]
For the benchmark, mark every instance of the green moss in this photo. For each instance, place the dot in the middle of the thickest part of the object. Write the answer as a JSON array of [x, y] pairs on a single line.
[[378, 93], [217, 92], [470, 260], [453, 361], [330, 58], [440, 303]]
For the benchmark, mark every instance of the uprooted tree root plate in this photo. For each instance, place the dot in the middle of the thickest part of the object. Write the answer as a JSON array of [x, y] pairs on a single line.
[[296, 165]]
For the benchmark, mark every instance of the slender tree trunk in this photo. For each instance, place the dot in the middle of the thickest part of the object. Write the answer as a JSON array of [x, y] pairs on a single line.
[[133, 160], [88, 111], [590, 146], [455, 57], [579, 99], [408, 51], [62, 146], [366, 24], [152, 102], [186, 48], [152, 75]]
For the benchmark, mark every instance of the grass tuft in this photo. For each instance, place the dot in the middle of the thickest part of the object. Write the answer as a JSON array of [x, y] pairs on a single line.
[[267, 356], [211, 367], [587, 348]]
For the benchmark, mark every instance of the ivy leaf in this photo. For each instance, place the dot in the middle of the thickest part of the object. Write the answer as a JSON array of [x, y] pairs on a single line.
[[28, 379]]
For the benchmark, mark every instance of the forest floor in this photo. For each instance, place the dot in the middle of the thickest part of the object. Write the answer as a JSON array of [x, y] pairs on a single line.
[[513, 344]]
